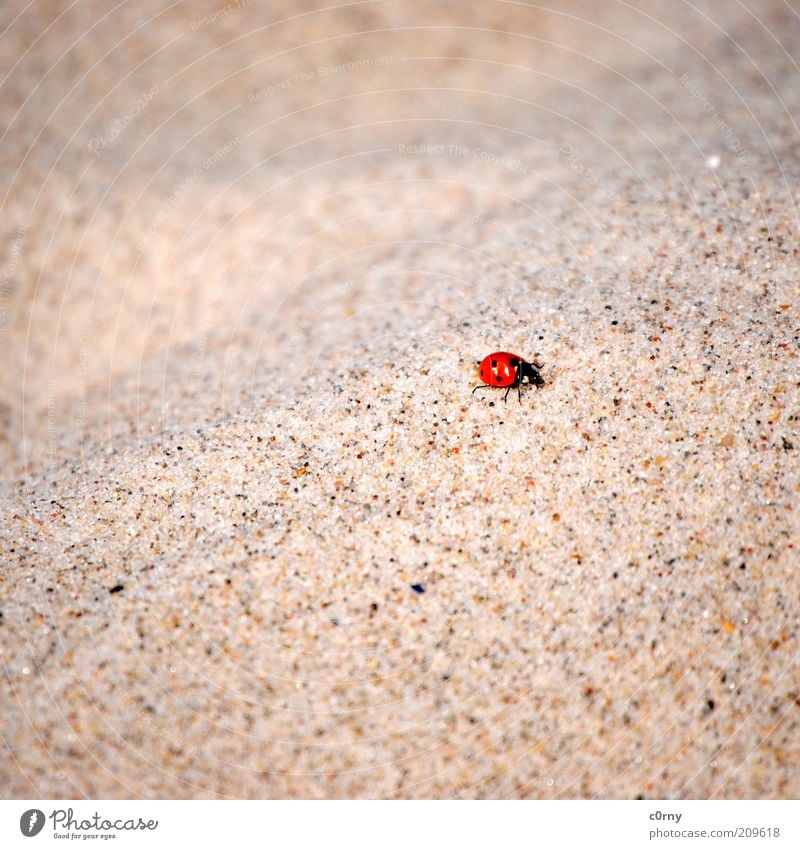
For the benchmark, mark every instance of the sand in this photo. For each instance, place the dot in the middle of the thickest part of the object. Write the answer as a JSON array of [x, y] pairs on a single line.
[[259, 540]]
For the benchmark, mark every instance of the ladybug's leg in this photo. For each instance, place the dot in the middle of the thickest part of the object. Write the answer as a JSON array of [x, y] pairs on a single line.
[[507, 391], [482, 386]]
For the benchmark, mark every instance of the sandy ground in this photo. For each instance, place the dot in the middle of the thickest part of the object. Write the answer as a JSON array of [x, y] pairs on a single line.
[[251, 254]]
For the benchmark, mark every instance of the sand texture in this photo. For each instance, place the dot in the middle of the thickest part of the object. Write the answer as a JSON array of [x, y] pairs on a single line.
[[257, 538]]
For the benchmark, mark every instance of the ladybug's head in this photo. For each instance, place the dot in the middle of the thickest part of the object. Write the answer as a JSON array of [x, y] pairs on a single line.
[[529, 371]]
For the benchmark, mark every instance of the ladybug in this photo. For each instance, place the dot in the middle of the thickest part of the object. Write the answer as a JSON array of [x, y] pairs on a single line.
[[503, 369]]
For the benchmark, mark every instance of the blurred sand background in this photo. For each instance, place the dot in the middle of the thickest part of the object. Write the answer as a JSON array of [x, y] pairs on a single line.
[[250, 255]]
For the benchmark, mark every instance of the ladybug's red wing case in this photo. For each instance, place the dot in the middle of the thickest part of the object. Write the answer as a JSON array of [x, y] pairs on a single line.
[[490, 373], [499, 369]]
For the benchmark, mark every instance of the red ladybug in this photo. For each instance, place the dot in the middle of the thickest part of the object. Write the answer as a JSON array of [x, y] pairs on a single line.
[[504, 369]]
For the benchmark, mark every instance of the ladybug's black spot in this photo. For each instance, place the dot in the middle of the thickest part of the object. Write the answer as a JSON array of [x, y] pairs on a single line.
[[494, 363]]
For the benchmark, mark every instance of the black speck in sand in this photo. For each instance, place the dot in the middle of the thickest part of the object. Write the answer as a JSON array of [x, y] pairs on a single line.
[[118, 588], [418, 588]]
